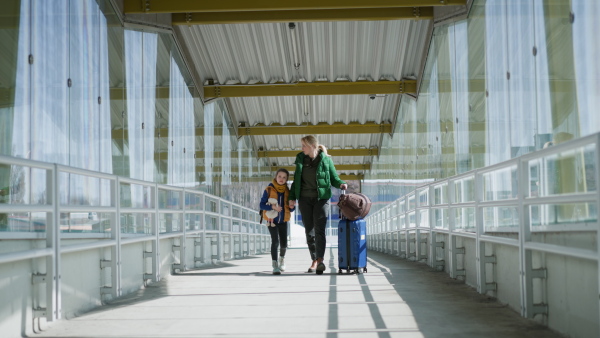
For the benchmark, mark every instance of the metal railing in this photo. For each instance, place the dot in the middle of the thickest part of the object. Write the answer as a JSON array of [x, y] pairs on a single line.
[[514, 203], [124, 211]]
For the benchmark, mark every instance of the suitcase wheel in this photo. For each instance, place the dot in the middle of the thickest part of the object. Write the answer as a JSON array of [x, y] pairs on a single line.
[[340, 271]]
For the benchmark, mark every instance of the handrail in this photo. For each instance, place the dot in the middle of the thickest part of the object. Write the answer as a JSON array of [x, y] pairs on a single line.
[[114, 208], [522, 205]]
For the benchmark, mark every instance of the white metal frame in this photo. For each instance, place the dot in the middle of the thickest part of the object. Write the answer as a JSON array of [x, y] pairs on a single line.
[[482, 235], [115, 239]]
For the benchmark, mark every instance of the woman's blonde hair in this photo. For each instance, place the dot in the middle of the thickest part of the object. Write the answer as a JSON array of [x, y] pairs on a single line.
[[312, 141]]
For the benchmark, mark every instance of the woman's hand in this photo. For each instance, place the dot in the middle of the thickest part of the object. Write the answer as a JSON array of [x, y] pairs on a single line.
[[292, 203], [344, 186]]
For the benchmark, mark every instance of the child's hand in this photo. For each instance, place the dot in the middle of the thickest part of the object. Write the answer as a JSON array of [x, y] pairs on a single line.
[[292, 203], [277, 208]]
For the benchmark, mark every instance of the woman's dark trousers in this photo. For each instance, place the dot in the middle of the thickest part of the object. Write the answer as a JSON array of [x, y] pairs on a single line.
[[314, 216]]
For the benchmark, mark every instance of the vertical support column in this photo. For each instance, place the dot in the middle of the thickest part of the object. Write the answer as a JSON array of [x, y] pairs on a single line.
[[156, 241], [454, 251], [404, 229], [523, 237], [115, 251], [220, 241], [417, 224], [203, 257], [431, 249], [182, 240], [479, 228], [528, 308], [53, 296], [220, 247], [202, 247], [451, 227]]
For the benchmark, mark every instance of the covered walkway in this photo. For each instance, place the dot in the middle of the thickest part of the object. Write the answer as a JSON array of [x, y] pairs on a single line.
[[241, 298]]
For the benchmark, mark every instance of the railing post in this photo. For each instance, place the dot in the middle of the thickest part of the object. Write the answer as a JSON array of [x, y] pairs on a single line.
[[524, 237], [182, 240], [53, 295], [451, 227], [115, 252], [432, 236], [203, 233], [479, 230], [417, 224], [156, 241]]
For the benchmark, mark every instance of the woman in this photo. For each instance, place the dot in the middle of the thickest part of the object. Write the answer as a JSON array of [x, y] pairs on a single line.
[[313, 178]]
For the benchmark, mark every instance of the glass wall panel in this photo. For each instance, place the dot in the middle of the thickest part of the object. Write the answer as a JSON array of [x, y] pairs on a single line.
[[584, 19], [500, 184], [209, 148], [137, 223], [15, 35], [497, 97], [495, 218], [464, 190], [458, 124], [477, 124], [168, 222], [553, 214], [166, 122], [465, 219], [193, 221], [442, 134], [440, 218]]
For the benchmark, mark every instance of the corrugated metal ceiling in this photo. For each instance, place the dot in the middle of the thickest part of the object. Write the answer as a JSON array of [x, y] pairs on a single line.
[[325, 51]]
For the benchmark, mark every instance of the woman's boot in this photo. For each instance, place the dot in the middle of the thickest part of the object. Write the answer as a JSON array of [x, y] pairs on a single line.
[[320, 266]]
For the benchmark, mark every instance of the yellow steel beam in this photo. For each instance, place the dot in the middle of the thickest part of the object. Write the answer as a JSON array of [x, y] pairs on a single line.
[[290, 129], [282, 153], [200, 154], [362, 14], [332, 152], [312, 88], [195, 6], [338, 167], [319, 129]]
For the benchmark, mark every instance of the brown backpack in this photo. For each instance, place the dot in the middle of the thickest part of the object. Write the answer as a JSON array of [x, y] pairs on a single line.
[[354, 205]]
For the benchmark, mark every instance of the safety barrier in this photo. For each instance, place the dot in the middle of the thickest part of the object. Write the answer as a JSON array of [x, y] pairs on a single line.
[[54, 210], [531, 219]]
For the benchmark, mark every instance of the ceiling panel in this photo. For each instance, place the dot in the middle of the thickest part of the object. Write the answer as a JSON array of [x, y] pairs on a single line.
[[322, 51]]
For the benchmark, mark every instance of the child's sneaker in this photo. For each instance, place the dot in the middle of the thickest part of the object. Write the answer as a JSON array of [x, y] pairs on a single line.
[[282, 264], [276, 270]]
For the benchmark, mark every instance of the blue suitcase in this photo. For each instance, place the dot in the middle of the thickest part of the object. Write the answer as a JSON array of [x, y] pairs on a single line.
[[352, 245]]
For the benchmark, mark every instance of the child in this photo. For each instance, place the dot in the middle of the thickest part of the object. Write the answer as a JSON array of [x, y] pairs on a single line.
[[278, 225]]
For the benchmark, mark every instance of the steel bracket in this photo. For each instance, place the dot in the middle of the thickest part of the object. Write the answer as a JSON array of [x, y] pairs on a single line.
[[39, 312], [38, 278]]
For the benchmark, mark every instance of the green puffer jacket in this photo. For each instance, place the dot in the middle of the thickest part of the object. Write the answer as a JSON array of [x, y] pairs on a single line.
[[326, 177]]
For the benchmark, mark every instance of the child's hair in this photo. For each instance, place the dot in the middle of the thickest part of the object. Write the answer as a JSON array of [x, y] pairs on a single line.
[[283, 170], [312, 140]]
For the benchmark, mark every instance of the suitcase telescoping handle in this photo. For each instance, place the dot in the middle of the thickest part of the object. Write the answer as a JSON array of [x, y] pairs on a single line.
[[340, 210]]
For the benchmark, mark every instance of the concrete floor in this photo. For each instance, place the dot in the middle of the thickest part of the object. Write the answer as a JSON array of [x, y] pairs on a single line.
[[241, 298]]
